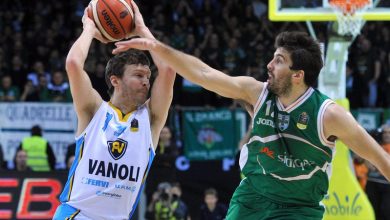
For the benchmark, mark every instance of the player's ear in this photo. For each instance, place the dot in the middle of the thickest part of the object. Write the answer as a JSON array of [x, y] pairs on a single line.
[[114, 80], [298, 74]]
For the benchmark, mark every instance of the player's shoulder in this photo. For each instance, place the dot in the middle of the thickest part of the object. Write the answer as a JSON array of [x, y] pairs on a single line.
[[253, 88], [333, 111], [335, 116]]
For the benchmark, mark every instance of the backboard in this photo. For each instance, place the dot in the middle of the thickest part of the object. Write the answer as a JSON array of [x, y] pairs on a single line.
[[320, 10]]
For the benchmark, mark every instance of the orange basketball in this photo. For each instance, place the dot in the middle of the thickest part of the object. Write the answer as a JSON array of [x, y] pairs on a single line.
[[113, 18]]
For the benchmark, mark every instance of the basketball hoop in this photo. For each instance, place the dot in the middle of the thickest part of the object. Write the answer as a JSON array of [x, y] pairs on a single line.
[[350, 15]]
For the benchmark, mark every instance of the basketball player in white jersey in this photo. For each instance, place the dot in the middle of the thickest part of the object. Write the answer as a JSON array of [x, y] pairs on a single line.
[[115, 140]]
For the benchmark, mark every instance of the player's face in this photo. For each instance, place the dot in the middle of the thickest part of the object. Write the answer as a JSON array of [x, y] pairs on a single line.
[[135, 83], [210, 200], [279, 73]]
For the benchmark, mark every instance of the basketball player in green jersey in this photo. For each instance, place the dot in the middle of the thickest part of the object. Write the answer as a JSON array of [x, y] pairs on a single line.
[[288, 157]]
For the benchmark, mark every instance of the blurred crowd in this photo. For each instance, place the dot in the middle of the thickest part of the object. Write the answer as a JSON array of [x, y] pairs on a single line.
[[233, 36]]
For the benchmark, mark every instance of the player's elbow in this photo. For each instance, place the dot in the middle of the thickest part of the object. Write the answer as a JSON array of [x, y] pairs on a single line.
[[72, 65], [169, 73]]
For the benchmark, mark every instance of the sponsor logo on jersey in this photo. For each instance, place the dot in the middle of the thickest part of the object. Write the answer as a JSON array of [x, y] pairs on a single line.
[[117, 148], [94, 182], [303, 120], [268, 152], [283, 121], [207, 136], [108, 194], [266, 122], [125, 187], [290, 161], [113, 170]]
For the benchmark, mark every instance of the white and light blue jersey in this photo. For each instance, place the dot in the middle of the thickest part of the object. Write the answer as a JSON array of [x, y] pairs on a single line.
[[113, 156]]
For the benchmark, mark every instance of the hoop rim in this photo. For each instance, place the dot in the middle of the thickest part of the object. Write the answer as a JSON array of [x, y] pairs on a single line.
[[349, 6]]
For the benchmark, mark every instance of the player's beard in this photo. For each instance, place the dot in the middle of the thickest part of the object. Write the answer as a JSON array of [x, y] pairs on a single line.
[[140, 98], [281, 86]]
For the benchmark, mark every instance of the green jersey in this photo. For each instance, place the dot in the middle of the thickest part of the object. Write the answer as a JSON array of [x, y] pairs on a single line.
[[288, 157]]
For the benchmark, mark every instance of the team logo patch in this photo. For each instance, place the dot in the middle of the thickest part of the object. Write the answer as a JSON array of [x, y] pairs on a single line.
[[303, 120], [208, 136], [283, 121], [117, 148]]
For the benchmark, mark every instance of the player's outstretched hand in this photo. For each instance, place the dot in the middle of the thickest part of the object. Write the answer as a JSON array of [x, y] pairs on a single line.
[[136, 43]]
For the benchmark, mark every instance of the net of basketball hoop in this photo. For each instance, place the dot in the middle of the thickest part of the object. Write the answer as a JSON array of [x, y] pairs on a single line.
[[349, 15]]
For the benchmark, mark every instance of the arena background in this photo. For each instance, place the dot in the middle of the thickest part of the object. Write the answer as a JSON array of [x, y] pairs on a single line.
[[230, 35]]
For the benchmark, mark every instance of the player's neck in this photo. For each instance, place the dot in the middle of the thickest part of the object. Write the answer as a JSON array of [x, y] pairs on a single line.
[[122, 105], [293, 95]]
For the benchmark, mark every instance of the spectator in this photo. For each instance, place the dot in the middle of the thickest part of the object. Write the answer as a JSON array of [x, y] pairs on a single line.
[[168, 204], [21, 161], [161, 195], [18, 71], [40, 156], [364, 59], [181, 211], [30, 93], [233, 56], [361, 170], [70, 154], [383, 64], [8, 92], [211, 209], [353, 87], [378, 188], [58, 88], [163, 168], [39, 70]]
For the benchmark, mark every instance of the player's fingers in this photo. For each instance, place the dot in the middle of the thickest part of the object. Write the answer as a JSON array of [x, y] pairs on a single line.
[[123, 43], [119, 50], [135, 7], [137, 43]]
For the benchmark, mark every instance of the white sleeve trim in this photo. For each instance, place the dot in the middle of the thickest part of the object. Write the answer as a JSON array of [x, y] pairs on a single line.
[[320, 124]]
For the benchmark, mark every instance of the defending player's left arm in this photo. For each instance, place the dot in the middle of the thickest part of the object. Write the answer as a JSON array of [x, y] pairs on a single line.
[[162, 90], [340, 123]]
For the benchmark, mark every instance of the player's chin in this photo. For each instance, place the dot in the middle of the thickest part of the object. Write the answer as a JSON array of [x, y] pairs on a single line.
[[141, 100]]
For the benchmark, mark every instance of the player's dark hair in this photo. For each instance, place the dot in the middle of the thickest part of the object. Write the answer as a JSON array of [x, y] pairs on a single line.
[[116, 65], [305, 53], [36, 130], [211, 191]]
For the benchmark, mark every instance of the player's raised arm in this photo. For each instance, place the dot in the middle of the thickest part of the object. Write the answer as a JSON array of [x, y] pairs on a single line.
[[162, 90], [86, 99], [340, 123], [193, 69]]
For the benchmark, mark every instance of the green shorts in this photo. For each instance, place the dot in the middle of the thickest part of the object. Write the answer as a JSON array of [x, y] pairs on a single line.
[[246, 204]]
